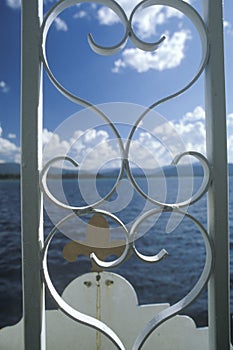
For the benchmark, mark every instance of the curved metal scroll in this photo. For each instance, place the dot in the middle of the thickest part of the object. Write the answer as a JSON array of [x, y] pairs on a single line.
[[63, 305], [130, 246], [181, 6], [193, 294], [189, 201]]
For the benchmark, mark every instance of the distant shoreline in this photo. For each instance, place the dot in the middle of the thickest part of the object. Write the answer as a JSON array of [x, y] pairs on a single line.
[[11, 171], [73, 177], [9, 176]]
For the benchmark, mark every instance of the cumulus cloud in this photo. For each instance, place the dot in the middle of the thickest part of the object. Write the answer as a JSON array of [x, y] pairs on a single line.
[[60, 24], [147, 152], [159, 146], [191, 128], [11, 136], [14, 4], [91, 149], [185, 134], [106, 16], [81, 14], [4, 87], [54, 145], [145, 21], [9, 152], [228, 27], [95, 149], [169, 55]]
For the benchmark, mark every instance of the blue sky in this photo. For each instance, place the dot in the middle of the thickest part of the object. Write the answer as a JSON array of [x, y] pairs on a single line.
[[130, 76]]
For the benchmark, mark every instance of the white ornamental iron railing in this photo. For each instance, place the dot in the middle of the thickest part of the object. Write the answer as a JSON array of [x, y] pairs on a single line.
[[34, 178]]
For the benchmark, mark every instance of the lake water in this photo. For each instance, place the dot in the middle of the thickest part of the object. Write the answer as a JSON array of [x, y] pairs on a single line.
[[166, 281]]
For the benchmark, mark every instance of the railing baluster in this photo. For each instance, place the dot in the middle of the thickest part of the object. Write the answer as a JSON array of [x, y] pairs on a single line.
[[31, 134], [217, 195]]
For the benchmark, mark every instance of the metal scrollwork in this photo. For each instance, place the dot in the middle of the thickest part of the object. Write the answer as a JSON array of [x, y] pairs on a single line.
[[192, 295], [181, 6], [201, 191], [62, 304], [160, 207]]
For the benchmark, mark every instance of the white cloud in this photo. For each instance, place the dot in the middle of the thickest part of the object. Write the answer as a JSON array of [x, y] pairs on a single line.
[[60, 24], [169, 55], [14, 4], [94, 148], [91, 149], [148, 20], [145, 21], [81, 14], [54, 145], [191, 128], [9, 152], [189, 131], [228, 27], [197, 115], [106, 16], [4, 87], [147, 152], [11, 136]]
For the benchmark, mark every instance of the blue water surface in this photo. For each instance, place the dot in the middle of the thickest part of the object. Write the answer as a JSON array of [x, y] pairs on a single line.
[[167, 281]]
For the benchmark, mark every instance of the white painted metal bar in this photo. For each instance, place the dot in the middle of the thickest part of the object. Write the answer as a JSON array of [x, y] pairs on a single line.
[[219, 318], [32, 210], [31, 200]]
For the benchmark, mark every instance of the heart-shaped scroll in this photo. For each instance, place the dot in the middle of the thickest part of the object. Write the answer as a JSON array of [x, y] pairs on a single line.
[[129, 246]]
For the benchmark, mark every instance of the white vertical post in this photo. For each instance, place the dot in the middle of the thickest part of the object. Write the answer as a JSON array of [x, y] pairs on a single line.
[[31, 200], [219, 316]]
